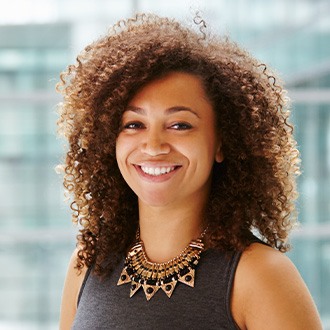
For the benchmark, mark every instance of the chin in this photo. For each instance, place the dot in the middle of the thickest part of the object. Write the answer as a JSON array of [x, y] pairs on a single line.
[[156, 200]]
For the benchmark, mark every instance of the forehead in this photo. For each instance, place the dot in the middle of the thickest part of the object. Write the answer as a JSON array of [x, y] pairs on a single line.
[[174, 89]]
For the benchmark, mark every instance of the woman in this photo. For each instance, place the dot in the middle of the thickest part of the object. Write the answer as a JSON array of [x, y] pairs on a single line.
[[179, 149]]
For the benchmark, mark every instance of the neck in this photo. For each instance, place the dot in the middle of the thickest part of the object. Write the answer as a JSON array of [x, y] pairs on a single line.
[[166, 231]]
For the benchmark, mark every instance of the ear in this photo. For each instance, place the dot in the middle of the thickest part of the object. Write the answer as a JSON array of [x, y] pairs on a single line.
[[219, 154]]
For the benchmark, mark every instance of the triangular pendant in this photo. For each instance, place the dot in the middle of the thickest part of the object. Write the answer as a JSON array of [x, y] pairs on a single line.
[[141, 272], [124, 277], [150, 290], [135, 286], [189, 278], [168, 288]]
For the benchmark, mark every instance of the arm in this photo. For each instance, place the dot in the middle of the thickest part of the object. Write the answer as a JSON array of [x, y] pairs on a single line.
[[269, 293], [72, 284]]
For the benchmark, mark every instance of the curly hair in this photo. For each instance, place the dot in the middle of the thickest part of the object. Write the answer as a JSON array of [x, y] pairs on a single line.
[[253, 189]]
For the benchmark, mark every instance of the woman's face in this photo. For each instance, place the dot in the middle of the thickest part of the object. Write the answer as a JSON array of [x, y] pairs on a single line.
[[168, 141]]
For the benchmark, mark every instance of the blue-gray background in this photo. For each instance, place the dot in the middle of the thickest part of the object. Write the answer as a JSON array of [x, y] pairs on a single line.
[[38, 38]]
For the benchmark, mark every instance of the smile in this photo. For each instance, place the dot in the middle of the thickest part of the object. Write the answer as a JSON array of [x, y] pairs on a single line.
[[157, 171]]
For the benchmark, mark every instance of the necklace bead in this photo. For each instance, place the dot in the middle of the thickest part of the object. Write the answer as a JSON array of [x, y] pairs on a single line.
[[141, 272]]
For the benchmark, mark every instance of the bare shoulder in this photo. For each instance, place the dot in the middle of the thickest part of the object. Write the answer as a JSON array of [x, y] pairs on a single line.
[[268, 289], [72, 285]]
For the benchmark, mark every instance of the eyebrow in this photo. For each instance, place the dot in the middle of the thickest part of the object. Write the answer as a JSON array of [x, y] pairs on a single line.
[[168, 111]]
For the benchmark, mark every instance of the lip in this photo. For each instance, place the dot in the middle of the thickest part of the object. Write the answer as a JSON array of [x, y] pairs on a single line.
[[156, 164], [158, 178]]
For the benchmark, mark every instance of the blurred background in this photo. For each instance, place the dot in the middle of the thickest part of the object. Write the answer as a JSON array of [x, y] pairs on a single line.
[[39, 38]]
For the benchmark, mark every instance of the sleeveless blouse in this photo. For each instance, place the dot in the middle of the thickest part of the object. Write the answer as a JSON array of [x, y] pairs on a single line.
[[104, 305]]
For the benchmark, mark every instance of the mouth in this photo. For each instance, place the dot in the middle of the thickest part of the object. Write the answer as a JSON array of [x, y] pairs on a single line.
[[157, 171]]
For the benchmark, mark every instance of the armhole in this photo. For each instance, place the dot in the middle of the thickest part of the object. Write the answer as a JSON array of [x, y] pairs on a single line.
[[231, 275], [83, 284]]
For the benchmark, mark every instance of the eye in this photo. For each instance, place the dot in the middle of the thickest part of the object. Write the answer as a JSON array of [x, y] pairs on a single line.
[[181, 126], [133, 125]]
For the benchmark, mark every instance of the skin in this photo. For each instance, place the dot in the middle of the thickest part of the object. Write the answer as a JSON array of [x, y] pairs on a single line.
[[170, 124], [268, 290], [72, 285]]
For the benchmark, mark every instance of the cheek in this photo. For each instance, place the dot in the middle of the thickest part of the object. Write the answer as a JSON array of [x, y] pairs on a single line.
[[121, 151], [200, 153], [125, 149], [207, 146]]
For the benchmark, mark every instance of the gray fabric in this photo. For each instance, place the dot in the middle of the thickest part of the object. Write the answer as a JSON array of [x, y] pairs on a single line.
[[104, 305]]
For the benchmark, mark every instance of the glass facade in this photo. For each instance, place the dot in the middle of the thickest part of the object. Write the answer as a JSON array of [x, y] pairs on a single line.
[[36, 235]]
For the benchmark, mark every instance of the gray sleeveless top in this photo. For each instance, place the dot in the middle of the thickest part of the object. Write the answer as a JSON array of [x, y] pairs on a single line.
[[104, 305]]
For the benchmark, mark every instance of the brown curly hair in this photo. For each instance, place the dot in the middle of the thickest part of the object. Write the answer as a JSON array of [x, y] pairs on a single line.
[[253, 189]]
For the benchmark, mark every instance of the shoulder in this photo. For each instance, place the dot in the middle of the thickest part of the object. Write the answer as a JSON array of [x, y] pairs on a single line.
[[268, 289], [72, 285]]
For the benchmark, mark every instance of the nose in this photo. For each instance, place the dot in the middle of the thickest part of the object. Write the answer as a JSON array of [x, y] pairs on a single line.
[[155, 143]]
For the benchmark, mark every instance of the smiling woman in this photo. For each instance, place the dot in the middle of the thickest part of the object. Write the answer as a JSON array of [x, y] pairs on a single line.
[[179, 149], [169, 137]]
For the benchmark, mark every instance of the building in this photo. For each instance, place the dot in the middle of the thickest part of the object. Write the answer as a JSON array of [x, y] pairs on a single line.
[[36, 236]]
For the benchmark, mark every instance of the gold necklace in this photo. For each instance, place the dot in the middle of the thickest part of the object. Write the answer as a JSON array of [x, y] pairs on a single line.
[[152, 276]]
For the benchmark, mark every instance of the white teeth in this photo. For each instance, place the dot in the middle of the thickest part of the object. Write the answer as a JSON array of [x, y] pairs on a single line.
[[157, 170]]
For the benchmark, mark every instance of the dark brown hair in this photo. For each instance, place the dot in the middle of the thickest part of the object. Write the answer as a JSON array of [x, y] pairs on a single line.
[[252, 189]]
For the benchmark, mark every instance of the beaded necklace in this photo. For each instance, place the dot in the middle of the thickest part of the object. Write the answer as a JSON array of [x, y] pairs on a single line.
[[152, 276]]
